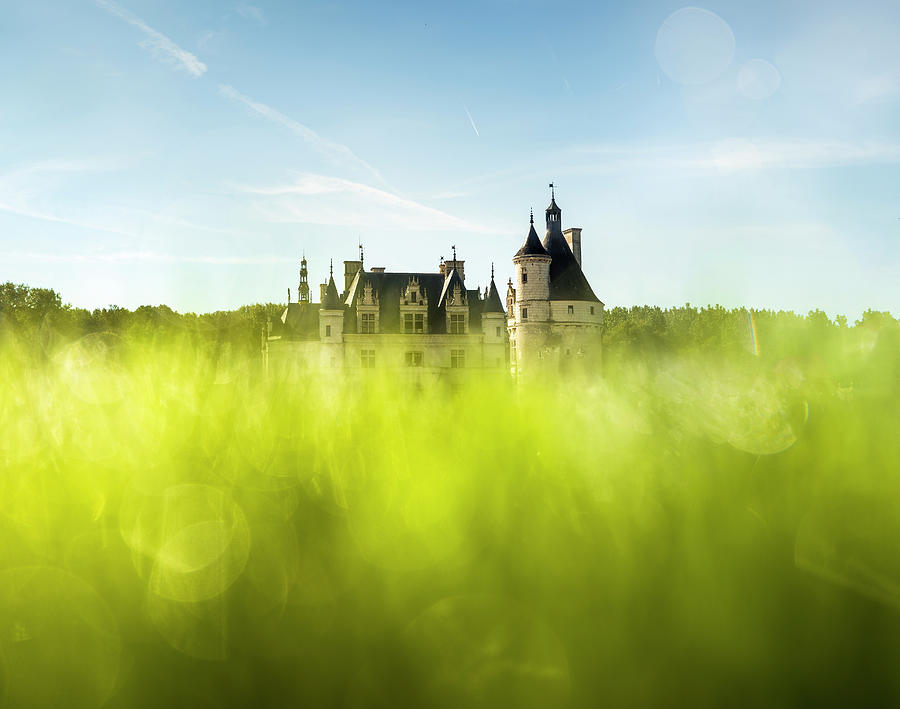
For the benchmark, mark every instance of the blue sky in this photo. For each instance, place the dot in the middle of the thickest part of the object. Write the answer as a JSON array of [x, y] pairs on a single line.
[[187, 153]]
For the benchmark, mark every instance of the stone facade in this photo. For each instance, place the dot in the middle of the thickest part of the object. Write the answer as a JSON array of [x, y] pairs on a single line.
[[432, 323]]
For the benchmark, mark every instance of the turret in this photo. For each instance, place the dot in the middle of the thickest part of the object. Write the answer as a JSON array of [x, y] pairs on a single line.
[[331, 314], [532, 264], [531, 324], [493, 315]]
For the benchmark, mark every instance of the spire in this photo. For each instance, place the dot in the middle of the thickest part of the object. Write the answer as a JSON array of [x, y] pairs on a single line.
[[492, 302], [532, 245], [331, 300]]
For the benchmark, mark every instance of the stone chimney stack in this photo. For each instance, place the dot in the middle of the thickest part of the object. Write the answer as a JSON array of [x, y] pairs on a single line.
[[350, 269], [573, 239]]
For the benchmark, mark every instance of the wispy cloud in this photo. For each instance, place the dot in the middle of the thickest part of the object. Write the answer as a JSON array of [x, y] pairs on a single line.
[[474, 127], [28, 191], [157, 43], [338, 154], [251, 12], [141, 257], [317, 199], [739, 154], [22, 191], [62, 219]]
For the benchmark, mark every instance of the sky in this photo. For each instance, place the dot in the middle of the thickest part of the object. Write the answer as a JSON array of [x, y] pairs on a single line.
[[745, 154]]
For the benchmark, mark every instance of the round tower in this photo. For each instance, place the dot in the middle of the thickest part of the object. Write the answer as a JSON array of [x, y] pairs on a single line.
[[532, 305]]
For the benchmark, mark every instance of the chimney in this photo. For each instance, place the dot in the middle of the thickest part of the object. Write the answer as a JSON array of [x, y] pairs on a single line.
[[377, 269], [350, 269], [322, 288], [573, 239]]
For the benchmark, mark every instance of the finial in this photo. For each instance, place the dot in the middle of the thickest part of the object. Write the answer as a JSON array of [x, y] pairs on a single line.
[[454, 254], [492, 271], [289, 295], [552, 193], [531, 218], [331, 268], [360, 253]]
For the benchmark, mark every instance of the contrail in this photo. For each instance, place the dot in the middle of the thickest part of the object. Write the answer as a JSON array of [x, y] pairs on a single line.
[[474, 127]]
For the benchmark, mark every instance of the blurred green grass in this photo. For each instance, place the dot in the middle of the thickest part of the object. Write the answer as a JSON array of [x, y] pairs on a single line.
[[690, 528]]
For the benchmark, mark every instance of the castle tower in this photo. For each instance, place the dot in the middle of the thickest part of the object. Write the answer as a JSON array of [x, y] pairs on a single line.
[[576, 313], [531, 327]]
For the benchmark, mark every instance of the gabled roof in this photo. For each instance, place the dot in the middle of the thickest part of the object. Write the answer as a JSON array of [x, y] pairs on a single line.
[[567, 280], [389, 286], [452, 278], [492, 301]]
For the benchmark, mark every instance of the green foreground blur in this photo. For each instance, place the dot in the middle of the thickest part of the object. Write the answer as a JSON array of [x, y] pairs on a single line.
[[682, 530]]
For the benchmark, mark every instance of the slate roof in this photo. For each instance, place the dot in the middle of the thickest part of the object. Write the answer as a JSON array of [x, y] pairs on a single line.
[[532, 245], [299, 321], [492, 301], [452, 278], [567, 280], [331, 301], [388, 286]]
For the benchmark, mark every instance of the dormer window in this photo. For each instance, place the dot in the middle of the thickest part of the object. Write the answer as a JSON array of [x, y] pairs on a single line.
[[412, 297]]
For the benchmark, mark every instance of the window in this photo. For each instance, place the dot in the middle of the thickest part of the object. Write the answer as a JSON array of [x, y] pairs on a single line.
[[328, 331], [571, 309], [457, 359], [524, 275], [414, 359], [367, 358], [592, 310], [414, 322], [367, 323], [457, 324], [498, 330], [412, 297], [524, 313]]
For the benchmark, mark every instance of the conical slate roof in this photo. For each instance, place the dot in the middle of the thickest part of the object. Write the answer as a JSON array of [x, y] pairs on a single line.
[[532, 245], [331, 301], [492, 302]]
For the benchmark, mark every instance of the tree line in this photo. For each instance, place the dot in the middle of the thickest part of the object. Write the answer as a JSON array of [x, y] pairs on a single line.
[[39, 317], [648, 333]]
